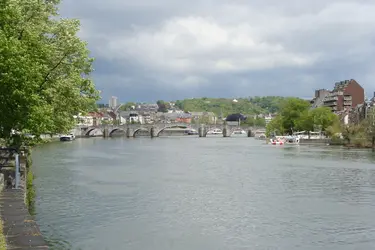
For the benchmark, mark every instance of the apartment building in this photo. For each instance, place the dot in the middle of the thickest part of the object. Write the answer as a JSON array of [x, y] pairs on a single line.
[[345, 95]]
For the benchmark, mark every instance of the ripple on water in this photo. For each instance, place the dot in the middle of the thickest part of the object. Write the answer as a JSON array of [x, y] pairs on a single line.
[[213, 193]]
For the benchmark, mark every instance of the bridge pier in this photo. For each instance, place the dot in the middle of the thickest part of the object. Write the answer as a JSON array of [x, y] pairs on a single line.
[[202, 131], [105, 132], [226, 132], [249, 133], [127, 132], [152, 132]]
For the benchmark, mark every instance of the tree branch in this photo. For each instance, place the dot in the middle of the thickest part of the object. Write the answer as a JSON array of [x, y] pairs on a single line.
[[46, 78]]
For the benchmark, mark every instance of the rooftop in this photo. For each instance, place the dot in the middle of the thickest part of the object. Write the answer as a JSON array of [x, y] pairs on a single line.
[[340, 86]]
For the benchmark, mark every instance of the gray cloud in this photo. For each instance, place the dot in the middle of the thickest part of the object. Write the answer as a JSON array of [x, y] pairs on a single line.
[[170, 49]]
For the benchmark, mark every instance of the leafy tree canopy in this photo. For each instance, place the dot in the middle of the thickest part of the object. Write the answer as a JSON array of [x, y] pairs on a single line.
[[223, 107], [44, 69], [296, 115]]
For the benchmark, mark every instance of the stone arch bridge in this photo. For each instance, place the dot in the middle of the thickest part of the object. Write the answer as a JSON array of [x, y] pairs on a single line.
[[155, 130]]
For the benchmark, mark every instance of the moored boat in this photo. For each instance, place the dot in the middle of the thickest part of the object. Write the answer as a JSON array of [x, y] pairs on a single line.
[[287, 140], [276, 141], [69, 137]]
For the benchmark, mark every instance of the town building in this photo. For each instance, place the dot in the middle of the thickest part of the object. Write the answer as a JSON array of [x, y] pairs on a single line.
[[204, 117], [268, 119], [345, 95], [146, 107], [131, 117], [91, 119], [318, 100], [113, 102], [184, 118]]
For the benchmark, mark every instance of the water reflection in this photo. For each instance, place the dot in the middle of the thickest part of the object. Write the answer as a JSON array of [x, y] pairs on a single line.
[[203, 193]]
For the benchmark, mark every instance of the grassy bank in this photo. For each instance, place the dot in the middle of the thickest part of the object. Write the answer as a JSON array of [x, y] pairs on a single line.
[[3, 245]]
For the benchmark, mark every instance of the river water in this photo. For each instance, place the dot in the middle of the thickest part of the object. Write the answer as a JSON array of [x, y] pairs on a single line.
[[185, 193]]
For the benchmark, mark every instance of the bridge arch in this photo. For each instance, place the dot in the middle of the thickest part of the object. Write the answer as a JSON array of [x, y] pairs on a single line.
[[89, 130], [140, 129], [210, 129], [171, 126], [115, 130]]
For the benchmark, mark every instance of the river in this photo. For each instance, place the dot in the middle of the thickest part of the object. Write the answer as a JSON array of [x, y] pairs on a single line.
[[185, 193]]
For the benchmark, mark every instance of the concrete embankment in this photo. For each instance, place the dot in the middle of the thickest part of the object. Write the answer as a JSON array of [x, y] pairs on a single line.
[[324, 141], [19, 228]]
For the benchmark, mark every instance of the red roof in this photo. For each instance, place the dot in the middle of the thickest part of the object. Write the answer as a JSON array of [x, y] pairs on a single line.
[[96, 114]]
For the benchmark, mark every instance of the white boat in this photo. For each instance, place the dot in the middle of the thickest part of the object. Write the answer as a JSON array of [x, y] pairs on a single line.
[[69, 137], [287, 140], [292, 140], [215, 132]]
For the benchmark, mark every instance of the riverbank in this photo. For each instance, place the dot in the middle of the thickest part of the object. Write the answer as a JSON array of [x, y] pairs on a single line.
[[19, 230], [3, 245]]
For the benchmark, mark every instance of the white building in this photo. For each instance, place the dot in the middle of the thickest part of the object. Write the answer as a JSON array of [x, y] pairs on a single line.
[[113, 102], [268, 119]]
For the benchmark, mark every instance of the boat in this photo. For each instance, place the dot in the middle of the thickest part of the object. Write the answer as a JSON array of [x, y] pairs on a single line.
[[191, 132], [287, 140], [215, 132], [69, 137], [276, 141], [292, 140]]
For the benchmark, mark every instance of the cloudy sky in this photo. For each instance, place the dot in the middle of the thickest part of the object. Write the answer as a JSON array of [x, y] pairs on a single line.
[[147, 50]]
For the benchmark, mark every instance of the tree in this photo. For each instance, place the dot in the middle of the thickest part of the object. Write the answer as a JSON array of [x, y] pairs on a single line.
[[162, 106], [179, 104], [251, 121], [44, 69], [305, 122], [127, 106], [275, 126], [291, 111], [323, 117], [319, 118], [369, 125], [351, 132]]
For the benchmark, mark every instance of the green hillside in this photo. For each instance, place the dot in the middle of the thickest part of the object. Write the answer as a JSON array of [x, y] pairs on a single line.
[[224, 106]]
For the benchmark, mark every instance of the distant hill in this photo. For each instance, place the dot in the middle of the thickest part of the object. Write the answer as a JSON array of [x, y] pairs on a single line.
[[224, 106]]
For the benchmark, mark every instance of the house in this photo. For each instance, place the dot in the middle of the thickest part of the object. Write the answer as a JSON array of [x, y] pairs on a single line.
[[345, 95], [91, 119], [107, 119], [204, 117], [132, 117], [184, 118], [268, 119], [145, 107]]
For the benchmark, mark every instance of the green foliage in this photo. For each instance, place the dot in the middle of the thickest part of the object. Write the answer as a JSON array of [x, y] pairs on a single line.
[[3, 245], [268, 103], [251, 121], [179, 104], [369, 125], [350, 132], [127, 106], [296, 115], [323, 117], [163, 106], [275, 126], [292, 109], [30, 191], [223, 107], [44, 69]]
